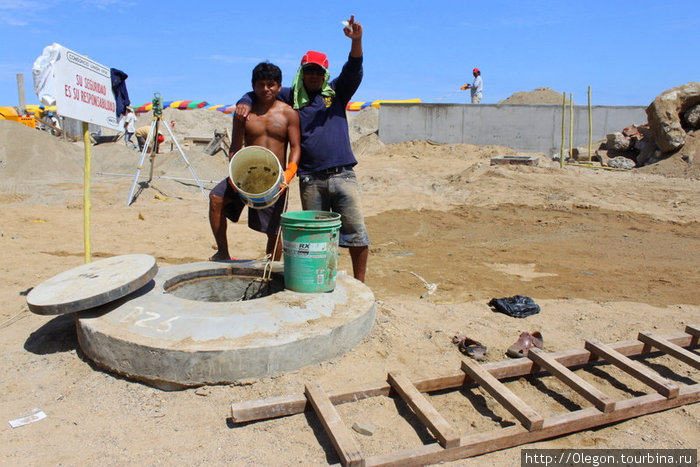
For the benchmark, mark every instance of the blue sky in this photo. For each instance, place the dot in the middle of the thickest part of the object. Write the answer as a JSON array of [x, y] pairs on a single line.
[[628, 52]]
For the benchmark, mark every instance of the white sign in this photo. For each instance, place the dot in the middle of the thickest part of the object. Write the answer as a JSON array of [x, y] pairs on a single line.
[[84, 90]]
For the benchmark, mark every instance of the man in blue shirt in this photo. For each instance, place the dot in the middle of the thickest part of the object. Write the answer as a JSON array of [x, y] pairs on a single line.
[[327, 181]]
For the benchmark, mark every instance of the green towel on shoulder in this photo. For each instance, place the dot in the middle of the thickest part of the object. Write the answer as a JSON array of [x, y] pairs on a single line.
[[300, 98]]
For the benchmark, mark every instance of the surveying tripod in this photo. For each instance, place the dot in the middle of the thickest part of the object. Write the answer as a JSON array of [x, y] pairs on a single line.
[[153, 137]]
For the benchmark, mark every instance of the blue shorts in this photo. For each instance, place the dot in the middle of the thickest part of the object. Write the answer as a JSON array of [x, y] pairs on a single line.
[[265, 220], [337, 192]]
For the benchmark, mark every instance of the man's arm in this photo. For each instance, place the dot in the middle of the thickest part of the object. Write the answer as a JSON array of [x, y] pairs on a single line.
[[245, 103], [350, 76], [237, 138], [354, 31], [294, 137]]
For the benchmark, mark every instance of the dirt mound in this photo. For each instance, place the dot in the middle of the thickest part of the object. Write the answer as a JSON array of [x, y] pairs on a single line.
[[364, 131], [537, 96], [684, 163], [199, 122], [27, 155]]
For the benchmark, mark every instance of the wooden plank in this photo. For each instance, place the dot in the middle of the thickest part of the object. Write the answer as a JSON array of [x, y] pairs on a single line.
[[558, 425], [343, 441], [281, 406], [636, 369], [589, 392], [695, 332], [520, 410], [447, 436], [674, 350]]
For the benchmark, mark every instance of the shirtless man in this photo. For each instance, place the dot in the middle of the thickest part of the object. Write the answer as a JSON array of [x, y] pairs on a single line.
[[271, 124]]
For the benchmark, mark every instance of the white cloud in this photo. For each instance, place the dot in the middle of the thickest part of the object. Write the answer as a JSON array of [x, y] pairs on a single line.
[[19, 12]]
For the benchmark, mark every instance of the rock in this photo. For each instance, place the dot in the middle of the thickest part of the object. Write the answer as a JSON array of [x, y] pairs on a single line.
[[601, 155], [579, 154], [632, 132], [617, 141], [692, 117], [621, 163], [363, 428], [644, 138], [647, 154], [664, 115]]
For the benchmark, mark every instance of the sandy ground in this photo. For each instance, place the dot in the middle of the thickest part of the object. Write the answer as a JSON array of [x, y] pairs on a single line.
[[605, 254]]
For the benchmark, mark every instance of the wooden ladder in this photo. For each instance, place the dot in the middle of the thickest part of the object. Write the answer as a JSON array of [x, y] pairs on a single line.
[[533, 427]]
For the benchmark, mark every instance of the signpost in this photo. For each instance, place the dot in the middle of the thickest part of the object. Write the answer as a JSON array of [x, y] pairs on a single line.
[[83, 91]]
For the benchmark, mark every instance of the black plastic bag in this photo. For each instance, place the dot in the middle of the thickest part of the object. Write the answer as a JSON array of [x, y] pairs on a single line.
[[517, 306]]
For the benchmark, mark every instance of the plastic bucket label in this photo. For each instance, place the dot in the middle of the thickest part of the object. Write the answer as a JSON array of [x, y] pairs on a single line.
[[306, 250], [310, 240]]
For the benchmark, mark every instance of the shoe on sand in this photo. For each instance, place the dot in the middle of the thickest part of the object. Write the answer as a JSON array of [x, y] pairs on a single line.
[[524, 343], [470, 347]]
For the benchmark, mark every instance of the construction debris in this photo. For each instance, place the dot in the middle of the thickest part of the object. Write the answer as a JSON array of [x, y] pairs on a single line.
[[673, 118]]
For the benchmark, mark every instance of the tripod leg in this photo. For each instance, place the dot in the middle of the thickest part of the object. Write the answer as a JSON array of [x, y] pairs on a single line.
[[144, 151], [187, 162]]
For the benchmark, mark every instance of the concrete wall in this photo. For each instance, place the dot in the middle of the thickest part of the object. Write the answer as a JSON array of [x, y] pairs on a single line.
[[527, 128]]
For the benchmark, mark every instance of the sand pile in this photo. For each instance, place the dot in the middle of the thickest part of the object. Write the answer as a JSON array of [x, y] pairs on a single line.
[[537, 96], [200, 123], [364, 131], [27, 155]]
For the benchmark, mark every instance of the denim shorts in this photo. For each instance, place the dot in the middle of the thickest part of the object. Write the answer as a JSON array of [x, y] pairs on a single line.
[[337, 192]]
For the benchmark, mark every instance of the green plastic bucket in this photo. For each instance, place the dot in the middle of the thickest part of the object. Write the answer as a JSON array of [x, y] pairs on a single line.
[[310, 241]]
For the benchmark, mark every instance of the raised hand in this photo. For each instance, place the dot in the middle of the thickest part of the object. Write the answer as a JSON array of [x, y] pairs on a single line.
[[353, 30]]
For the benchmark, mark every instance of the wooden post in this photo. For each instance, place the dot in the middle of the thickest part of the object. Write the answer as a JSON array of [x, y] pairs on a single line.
[[20, 93]]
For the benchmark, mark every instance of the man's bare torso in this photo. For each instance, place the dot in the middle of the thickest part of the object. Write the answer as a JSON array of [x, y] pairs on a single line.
[[269, 129]]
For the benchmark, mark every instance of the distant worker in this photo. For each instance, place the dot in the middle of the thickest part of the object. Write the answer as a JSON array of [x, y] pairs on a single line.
[[142, 134], [129, 126], [477, 87], [271, 124], [39, 115]]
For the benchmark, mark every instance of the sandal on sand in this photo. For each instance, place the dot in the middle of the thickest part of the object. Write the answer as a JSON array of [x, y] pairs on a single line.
[[470, 347], [525, 342]]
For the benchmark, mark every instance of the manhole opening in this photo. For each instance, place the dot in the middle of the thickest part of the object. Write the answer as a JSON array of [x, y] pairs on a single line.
[[224, 288]]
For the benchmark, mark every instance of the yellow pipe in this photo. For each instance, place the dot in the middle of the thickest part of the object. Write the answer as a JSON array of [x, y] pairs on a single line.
[[86, 191], [595, 166], [571, 125], [563, 132], [590, 125]]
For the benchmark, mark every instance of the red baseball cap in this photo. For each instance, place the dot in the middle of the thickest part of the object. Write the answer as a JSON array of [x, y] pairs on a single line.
[[476, 70], [316, 58]]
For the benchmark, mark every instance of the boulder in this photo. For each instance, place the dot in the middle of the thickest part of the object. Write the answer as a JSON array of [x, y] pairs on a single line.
[[691, 117], [664, 115], [617, 141], [621, 163]]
